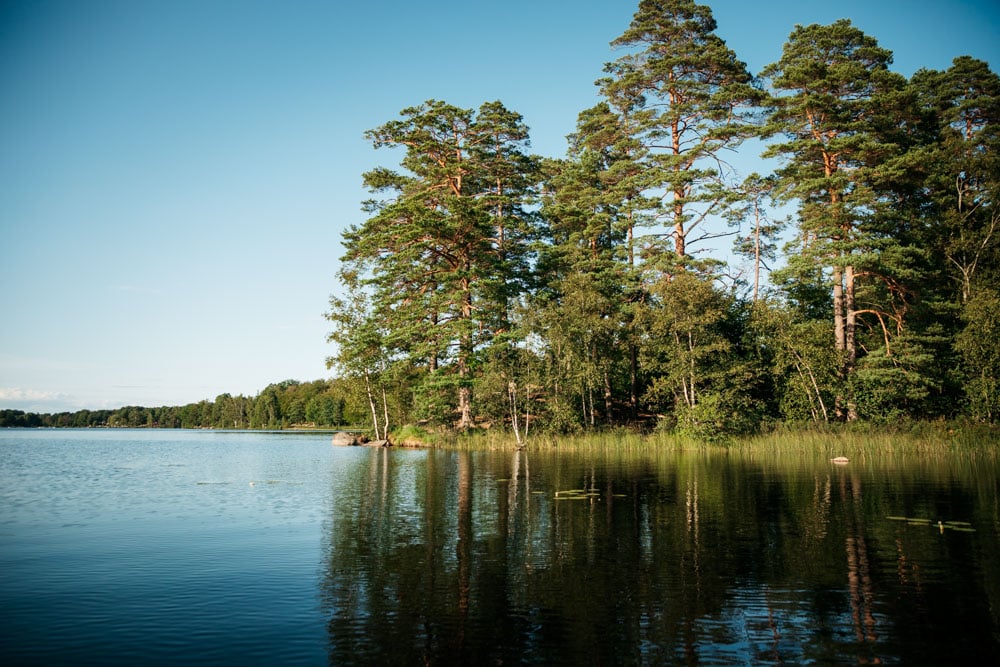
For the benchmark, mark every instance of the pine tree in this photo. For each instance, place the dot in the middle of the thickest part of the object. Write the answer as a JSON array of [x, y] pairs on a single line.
[[961, 162], [446, 249], [833, 93], [682, 98]]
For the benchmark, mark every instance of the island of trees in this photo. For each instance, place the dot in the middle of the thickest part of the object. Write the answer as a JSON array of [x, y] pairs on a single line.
[[492, 287]]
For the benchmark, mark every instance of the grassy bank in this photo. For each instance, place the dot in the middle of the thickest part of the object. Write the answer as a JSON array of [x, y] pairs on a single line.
[[834, 440]]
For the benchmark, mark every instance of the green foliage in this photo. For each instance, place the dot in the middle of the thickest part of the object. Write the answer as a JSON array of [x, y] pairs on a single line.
[[960, 166], [893, 384], [325, 403], [979, 346], [705, 367], [325, 410], [81, 419], [489, 287], [678, 98], [415, 436], [434, 401], [445, 254], [835, 108], [685, 345]]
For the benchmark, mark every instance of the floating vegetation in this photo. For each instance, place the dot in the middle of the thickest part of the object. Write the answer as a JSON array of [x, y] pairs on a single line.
[[581, 494], [577, 494], [957, 526]]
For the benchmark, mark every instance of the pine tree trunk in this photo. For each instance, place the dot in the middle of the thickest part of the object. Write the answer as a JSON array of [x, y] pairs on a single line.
[[465, 353], [850, 345], [839, 323], [839, 335], [464, 401]]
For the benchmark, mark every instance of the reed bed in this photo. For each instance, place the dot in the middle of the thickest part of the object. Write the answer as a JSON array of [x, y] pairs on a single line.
[[859, 442]]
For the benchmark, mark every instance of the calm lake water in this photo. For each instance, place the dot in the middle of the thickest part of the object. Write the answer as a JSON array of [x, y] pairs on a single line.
[[162, 547]]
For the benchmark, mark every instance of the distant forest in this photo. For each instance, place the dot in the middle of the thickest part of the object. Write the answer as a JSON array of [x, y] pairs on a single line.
[[318, 404], [492, 286]]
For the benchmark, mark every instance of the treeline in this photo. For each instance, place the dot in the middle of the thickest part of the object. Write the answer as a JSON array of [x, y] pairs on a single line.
[[322, 403], [492, 286]]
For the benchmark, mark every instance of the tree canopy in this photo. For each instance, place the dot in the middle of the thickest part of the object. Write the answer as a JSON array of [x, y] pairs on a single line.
[[492, 287]]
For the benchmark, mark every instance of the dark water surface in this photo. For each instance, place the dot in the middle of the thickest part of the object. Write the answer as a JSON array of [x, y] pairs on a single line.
[[166, 547]]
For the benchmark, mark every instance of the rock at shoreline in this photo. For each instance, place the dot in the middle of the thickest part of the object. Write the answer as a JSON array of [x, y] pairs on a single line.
[[345, 439]]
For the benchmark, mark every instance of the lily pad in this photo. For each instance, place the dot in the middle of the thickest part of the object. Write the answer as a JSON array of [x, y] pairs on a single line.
[[959, 526], [576, 494]]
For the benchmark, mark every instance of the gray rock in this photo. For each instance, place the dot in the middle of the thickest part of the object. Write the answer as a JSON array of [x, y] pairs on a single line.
[[344, 439]]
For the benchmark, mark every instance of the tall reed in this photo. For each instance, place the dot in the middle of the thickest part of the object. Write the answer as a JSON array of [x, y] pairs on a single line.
[[866, 440]]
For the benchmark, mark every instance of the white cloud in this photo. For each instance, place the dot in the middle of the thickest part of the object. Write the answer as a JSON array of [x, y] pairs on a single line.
[[34, 400], [16, 394]]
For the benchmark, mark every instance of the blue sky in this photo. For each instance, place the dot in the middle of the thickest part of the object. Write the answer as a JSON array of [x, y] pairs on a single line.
[[175, 175]]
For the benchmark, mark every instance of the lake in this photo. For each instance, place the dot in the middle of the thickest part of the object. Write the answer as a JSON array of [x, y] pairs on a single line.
[[235, 548]]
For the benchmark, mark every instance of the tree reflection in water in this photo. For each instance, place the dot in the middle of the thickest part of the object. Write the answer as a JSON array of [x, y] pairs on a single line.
[[667, 558]]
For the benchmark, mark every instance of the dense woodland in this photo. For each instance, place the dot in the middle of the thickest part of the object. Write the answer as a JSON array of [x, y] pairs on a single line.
[[323, 403], [630, 282]]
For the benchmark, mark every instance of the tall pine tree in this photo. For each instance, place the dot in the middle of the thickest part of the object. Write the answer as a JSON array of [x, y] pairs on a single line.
[[683, 98], [833, 89], [447, 245]]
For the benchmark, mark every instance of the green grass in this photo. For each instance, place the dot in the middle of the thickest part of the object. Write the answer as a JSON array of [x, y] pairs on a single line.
[[418, 436], [622, 439], [871, 439]]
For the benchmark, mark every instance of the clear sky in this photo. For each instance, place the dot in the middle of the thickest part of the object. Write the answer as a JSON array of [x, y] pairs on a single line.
[[175, 175]]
